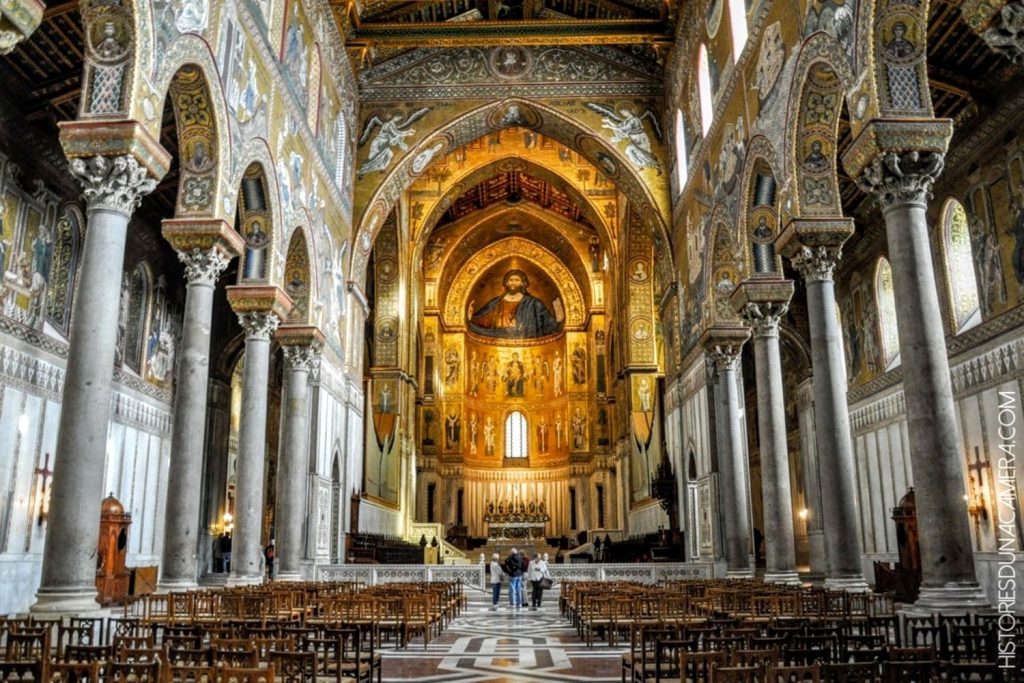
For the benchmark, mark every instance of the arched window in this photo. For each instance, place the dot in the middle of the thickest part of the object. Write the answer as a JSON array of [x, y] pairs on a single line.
[[62, 270], [738, 23], [707, 107], [890, 343], [515, 435], [681, 173], [961, 280]]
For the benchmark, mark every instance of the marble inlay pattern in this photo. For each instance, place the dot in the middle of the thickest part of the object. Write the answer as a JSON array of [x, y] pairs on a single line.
[[504, 646]]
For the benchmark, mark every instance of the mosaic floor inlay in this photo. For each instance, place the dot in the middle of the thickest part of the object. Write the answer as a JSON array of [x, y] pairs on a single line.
[[506, 646]]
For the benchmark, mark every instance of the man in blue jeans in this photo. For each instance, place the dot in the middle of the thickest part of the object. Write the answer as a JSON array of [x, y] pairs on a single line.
[[514, 569]]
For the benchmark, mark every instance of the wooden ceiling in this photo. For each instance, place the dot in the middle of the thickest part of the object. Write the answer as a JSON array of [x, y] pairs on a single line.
[[514, 187], [386, 11]]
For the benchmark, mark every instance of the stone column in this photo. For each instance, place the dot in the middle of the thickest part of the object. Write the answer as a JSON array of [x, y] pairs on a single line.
[[260, 310], [724, 344], [901, 181], [113, 187], [205, 247], [18, 20], [761, 302], [814, 247], [301, 345], [812, 485]]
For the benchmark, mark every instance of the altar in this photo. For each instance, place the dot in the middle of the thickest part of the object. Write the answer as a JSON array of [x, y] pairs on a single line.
[[515, 521]]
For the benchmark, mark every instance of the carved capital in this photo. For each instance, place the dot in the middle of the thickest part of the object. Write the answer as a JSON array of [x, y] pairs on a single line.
[[302, 357], [203, 266], [763, 318], [816, 264], [18, 20], [258, 325], [901, 178], [112, 183], [1005, 33], [723, 344]]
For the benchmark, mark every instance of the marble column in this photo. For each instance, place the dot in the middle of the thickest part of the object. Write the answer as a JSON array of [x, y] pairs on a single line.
[[812, 484], [301, 346], [18, 20], [112, 188], [205, 248], [901, 181], [724, 344], [814, 247], [260, 310], [761, 303]]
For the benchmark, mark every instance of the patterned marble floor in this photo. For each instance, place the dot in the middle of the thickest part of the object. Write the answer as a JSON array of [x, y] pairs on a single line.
[[506, 646]]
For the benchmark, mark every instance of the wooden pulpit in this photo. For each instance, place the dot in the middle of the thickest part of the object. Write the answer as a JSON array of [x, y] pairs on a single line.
[[112, 575], [908, 569]]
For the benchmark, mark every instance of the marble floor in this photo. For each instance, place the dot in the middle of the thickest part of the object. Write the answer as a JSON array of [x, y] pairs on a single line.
[[506, 646]]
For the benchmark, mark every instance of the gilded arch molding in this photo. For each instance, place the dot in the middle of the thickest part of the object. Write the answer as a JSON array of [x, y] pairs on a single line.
[[455, 302], [489, 117]]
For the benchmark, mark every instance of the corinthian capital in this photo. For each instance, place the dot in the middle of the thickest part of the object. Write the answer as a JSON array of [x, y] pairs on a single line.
[[816, 264], [302, 357], [763, 317], [203, 266], [258, 324], [725, 356], [901, 178], [112, 183]]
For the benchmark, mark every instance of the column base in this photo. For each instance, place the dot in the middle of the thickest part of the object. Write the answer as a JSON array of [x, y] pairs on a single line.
[[739, 574], [289, 576], [234, 581], [65, 602], [176, 585], [788, 577], [952, 597], [850, 584]]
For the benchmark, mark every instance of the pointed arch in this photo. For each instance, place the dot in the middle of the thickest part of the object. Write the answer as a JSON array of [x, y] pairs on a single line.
[[821, 80], [64, 267], [495, 116], [759, 206], [135, 315], [958, 260], [297, 276], [191, 82]]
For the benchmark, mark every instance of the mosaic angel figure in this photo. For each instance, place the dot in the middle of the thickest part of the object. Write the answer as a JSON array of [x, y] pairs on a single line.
[[629, 127], [392, 133]]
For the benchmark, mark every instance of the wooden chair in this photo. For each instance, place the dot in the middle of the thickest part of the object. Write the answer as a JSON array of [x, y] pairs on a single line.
[[294, 667], [245, 675], [736, 674], [762, 658], [37, 670], [973, 672], [85, 653], [968, 644], [189, 673], [793, 674], [150, 671], [850, 672], [911, 671], [910, 654], [695, 667], [74, 672]]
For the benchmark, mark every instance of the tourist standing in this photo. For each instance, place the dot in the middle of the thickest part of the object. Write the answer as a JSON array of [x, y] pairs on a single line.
[[268, 555], [496, 576], [535, 574], [514, 569], [524, 566]]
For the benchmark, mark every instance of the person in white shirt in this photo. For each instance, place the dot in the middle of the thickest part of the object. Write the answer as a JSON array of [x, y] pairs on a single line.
[[536, 573], [497, 573]]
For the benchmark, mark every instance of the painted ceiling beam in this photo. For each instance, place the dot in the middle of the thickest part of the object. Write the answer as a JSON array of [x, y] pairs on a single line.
[[497, 33]]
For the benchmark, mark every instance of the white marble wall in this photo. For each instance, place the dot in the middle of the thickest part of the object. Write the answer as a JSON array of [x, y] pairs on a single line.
[[981, 376], [138, 452]]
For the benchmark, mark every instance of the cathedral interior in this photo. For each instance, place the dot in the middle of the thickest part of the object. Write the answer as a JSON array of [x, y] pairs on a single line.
[[729, 289]]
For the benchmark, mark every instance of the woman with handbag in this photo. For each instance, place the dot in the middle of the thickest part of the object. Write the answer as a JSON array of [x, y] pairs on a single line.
[[537, 572], [497, 574]]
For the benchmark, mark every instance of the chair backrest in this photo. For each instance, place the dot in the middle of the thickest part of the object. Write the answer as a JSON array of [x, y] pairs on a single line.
[[26, 647], [974, 672], [793, 674], [911, 671], [849, 672], [187, 673], [736, 674], [86, 653], [295, 667], [696, 666], [910, 654], [24, 670], [150, 671], [74, 672], [245, 675], [755, 657]]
